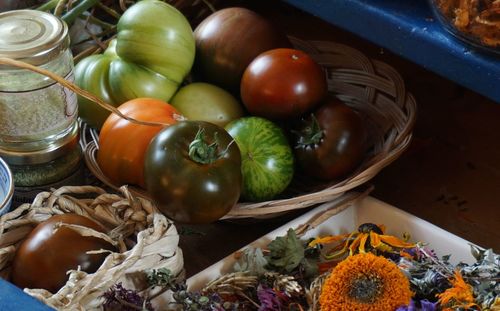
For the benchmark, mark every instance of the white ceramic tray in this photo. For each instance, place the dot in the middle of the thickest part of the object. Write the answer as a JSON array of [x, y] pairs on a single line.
[[361, 211]]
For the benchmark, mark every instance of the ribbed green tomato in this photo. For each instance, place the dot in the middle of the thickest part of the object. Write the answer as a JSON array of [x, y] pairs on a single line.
[[267, 162], [153, 52]]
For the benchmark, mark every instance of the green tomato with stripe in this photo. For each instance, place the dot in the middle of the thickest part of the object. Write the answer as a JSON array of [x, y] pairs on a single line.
[[267, 162]]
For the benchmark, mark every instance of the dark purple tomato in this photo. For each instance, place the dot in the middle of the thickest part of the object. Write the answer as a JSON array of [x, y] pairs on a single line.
[[283, 84], [228, 40], [331, 142], [44, 257], [193, 172]]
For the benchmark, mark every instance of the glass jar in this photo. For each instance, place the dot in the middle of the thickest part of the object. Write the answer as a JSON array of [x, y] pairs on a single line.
[[474, 22], [38, 117]]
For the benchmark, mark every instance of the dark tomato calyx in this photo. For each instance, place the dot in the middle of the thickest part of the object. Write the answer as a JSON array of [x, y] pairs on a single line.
[[311, 134], [200, 151], [203, 152], [368, 227]]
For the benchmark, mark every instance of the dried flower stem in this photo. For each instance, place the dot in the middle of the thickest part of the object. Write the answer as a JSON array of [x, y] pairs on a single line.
[[60, 7], [240, 293], [109, 10], [96, 39], [90, 50], [96, 21]]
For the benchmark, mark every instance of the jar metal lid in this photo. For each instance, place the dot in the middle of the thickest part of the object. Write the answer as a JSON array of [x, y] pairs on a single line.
[[32, 36], [52, 152]]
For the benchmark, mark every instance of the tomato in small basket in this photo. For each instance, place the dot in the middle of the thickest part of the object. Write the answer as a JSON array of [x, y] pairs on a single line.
[[330, 142], [228, 40], [193, 171], [122, 144], [283, 84], [267, 162]]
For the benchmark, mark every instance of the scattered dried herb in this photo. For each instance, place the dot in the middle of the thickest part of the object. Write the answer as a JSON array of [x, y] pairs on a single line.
[[162, 277], [118, 298], [484, 276], [196, 301]]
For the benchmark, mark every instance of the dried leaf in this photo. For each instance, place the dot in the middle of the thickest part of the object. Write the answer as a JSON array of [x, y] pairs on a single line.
[[252, 260], [286, 252]]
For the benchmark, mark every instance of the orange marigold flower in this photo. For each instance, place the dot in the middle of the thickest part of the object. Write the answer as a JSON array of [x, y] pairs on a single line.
[[460, 295], [365, 282]]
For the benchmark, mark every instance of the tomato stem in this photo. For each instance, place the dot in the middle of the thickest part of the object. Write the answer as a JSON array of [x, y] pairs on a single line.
[[312, 134], [202, 152]]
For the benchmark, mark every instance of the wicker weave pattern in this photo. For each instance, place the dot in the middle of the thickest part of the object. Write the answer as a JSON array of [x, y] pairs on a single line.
[[372, 88]]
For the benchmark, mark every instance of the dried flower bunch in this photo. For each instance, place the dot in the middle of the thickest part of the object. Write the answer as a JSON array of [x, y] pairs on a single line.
[[362, 270]]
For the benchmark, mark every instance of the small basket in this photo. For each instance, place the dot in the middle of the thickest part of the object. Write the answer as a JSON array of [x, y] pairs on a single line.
[[372, 88], [145, 238]]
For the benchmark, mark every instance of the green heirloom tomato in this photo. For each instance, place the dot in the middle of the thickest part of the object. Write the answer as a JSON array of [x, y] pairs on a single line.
[[267, 159], [207, 102], [152, 54], [193, 171]]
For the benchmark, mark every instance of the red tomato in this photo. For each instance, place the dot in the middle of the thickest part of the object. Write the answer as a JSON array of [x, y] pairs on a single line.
[[122, 144], [44, 257], [228, 40], [282, 84]]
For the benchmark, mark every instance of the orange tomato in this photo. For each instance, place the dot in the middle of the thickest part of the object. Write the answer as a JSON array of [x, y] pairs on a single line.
[[122, 144]]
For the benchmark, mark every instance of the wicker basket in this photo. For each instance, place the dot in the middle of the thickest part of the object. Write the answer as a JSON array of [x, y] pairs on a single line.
[[372, 88], [145, 238]]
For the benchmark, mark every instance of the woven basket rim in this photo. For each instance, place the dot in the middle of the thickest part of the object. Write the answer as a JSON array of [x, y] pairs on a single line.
[[361, 82]]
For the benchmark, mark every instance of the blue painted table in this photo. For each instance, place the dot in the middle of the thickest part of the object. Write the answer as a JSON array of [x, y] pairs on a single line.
[[13, 298], [408, 28]]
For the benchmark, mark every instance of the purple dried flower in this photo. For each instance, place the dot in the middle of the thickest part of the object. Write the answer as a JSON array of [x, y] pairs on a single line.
[[268, 299], [410, 307], [120, 298], [425, 305]]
